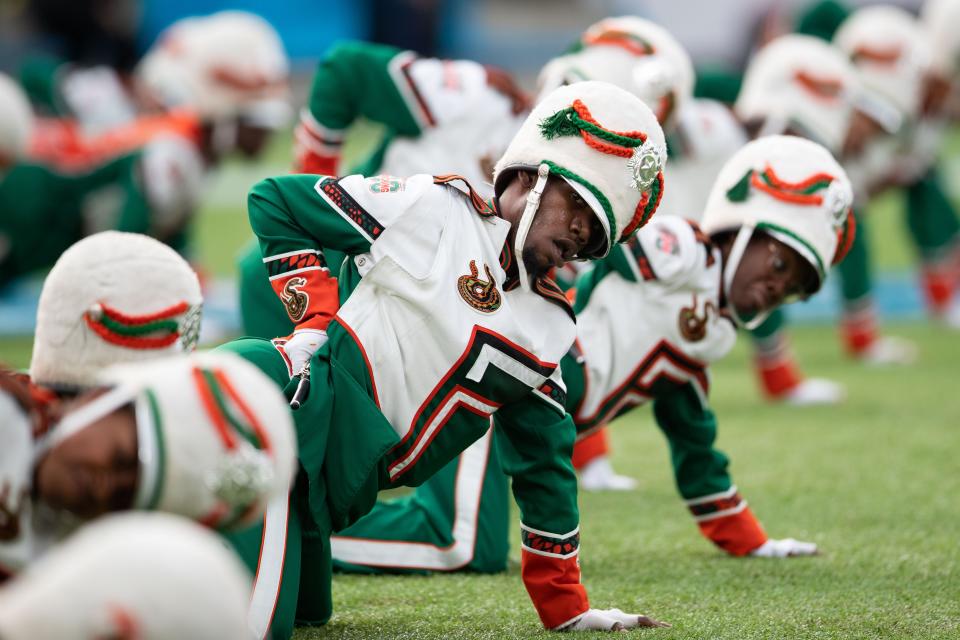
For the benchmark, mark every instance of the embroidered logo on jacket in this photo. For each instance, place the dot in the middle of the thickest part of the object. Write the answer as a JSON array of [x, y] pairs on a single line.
[[294, 300], [693, 328], [385, 184], [480, 294]]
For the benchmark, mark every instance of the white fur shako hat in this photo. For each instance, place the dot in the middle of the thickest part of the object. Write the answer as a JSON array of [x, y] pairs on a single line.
[[605, 142], [800, 83], [113, 297], [214, 434], [226, 64], [940, 19], [16, 119], [634, 54], [790, 188], [889, 48], [134, 575]]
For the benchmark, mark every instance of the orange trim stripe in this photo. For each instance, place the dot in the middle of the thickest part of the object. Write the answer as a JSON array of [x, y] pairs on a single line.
[[244, 409], [213, 412]]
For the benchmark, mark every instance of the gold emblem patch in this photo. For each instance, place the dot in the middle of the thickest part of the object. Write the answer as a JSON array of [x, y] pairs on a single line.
[[482, 295], [294, 300], [692, 327]]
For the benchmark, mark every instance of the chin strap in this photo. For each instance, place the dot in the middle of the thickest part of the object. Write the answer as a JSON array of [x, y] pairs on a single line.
[[77, 421], [526, 220], [730, 271]]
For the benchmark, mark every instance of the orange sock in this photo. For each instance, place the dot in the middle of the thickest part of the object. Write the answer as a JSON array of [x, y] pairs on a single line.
[[776, 366], [590, 448], [737, 534], [858, 329], [938, 281]]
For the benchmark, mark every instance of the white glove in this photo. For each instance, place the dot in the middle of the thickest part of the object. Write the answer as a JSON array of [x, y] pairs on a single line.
[[612, 620], [786, 548], [301, 346]]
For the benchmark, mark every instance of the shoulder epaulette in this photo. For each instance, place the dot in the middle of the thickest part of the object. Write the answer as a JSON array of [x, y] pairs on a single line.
[[703, 239], [482, 206], [549, 290]]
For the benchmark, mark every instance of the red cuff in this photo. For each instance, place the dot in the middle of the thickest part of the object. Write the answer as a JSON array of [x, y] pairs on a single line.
[[738, 534], [309, 294], [311, 162], [553, 583], [590, 447]]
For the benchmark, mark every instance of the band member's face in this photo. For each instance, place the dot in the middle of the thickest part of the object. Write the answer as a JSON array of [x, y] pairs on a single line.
[[95, 470], [863, 129], [770, 272], [564, 227]]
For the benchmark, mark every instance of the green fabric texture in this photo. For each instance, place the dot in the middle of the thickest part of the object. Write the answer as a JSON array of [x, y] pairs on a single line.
[[616, 262], [855, 272], [44, 210], [427, 516], [39, 76], [931, 218], [699, 468], [776, 321], [718, 84], [822, 19], [354, 80]]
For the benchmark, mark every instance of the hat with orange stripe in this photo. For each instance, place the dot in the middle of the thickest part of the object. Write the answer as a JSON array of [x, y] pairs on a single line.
[[804, 85], [605, 143], [791, 189], [940, 19], [16, 120], [636, 55], [890, 50], [143, 576], [215, 437], [110, 298]]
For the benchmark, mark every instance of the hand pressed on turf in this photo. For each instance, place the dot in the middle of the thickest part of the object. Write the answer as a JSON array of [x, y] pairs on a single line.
[[612, 620]]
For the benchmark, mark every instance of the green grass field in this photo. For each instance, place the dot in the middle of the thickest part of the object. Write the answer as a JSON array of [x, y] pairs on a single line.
[[874, 482]]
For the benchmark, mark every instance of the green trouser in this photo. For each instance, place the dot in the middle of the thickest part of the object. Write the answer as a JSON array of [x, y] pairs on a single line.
[[292, 569], [456, 520], [339, 473], [931, 218], [856, 281]]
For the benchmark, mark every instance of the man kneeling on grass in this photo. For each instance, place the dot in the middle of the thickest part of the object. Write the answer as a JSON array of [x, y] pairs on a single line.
[[651, 316], [454, 321]]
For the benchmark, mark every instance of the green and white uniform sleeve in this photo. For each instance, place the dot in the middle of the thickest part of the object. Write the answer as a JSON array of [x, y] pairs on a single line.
[[45, 211], [536, 449], [354, 80], [701, 472], [297, 217]]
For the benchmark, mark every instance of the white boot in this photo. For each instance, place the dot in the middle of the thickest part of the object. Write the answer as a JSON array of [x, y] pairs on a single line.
[[598, 475], [785, 548], [951, 317], [889, 350], [814, 392]]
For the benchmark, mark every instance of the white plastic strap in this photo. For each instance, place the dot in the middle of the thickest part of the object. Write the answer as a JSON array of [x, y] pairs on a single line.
[[730, 271], [526, 220]]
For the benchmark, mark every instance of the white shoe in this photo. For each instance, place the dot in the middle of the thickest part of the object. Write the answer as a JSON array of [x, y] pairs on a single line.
[[814, 392], [951, 317], [786, 548], [598, 475], [889, 350]]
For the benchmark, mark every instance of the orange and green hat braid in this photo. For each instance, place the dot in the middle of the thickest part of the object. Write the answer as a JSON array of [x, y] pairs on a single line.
[[233, 420], [576, 120], [805, 192], [149, 331]]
